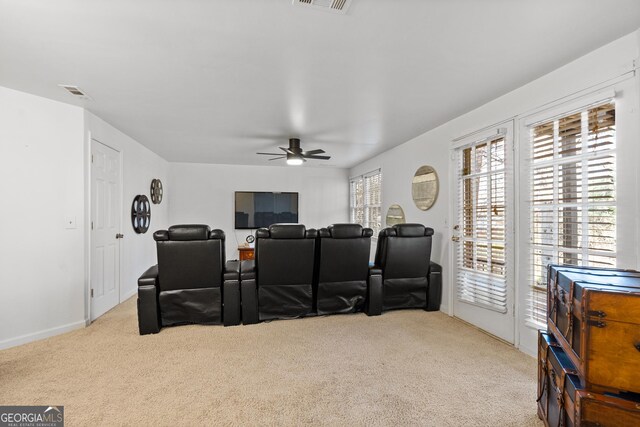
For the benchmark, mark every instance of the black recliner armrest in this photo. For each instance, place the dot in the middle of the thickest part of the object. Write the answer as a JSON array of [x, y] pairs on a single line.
[[231, 307], [148, 312], [149, 277], [249, 291], [232, 270], [248, 270], [375, 270], [434, 292], [374, 292]]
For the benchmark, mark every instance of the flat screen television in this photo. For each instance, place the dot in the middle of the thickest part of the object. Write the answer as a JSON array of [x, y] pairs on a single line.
[[255, 209]]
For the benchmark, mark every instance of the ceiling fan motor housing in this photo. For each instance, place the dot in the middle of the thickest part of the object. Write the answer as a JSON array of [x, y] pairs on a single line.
[[294, 145]]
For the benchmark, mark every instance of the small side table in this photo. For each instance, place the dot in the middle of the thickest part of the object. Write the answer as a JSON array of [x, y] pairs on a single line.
[[246, 253]]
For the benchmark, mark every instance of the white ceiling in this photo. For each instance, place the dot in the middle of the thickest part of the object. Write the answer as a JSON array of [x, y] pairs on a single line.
[[215, 81]]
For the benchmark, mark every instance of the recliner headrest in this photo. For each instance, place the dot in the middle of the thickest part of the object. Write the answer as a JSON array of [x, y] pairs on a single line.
[[161, 235], [189, 232], [287, 231], [412, 230], [217, 234], [345, 231]]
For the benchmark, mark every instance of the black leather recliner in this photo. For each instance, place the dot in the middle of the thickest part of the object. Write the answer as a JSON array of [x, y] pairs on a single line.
[[343, 269], [191, 283], [409, 278], [278, 283]]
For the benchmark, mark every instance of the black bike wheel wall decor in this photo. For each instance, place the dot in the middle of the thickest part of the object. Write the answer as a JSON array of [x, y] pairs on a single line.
[[156, 191], [140, 214]]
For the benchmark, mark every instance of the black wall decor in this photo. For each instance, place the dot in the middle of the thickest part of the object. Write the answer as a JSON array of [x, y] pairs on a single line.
[[156, 191], [140, 214]]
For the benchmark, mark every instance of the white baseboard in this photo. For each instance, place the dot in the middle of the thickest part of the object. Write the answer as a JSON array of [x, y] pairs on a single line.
[[533, 352], [128, 295], [24, 339]]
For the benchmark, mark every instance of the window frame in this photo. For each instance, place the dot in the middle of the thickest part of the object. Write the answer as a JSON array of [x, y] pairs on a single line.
[[579, 238], [627, 182], [564, 110]]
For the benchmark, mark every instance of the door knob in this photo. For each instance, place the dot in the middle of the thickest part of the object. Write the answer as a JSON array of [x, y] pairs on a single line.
[[455, 238], [119, 236]]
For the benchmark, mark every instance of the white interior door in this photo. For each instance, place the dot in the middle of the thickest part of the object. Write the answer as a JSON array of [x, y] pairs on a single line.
[[483, 232], [105, 228]]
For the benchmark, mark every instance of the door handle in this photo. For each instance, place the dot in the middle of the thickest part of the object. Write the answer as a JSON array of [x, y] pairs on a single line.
[[455, 238], [119, 236]]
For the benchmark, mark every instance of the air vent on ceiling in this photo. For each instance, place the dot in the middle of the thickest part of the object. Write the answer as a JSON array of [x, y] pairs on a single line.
[[75, 91], [336, 6]]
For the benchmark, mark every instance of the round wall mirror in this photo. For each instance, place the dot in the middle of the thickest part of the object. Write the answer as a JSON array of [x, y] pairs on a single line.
[[395, 215], [424, 187]]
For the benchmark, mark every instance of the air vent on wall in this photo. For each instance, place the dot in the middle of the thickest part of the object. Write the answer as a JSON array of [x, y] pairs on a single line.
[[75, 91], [336, 6]]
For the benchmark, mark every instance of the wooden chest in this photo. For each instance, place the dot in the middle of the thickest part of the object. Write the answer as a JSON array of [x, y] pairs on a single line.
[[563, 400], [595, 315]]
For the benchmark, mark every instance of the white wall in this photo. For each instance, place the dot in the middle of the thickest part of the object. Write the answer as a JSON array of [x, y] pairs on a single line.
[[140, 166], [44, 172], [434, 147], [41, 185], [204, 194]]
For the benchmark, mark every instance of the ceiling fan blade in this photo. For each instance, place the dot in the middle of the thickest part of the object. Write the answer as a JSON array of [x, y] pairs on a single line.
[[278, 158], [318, 157], [286, 150], [312, 152], [270, 154]]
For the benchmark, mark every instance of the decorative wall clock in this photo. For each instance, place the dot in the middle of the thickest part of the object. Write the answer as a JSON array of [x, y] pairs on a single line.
[[140, 214], [156, 191]]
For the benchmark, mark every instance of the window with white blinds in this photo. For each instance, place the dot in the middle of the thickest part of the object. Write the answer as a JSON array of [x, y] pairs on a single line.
[[365, 200], [572, 196], [482, 176]]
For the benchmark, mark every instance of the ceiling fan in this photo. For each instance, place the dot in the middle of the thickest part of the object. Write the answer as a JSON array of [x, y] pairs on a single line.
[[295, 155]]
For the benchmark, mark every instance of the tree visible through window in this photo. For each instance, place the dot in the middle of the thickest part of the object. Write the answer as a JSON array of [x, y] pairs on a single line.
[[365, 200]]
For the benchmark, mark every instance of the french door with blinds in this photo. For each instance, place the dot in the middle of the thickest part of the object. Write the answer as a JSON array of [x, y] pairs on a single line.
[[483, 232]]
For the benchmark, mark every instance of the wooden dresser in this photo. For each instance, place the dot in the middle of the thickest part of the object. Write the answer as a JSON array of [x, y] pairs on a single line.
[[246, 253]]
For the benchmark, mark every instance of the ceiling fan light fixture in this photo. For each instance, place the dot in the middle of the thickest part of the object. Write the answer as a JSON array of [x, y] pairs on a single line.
[[294, 161]]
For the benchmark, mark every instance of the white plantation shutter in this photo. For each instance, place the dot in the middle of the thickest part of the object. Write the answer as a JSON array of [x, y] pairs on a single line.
[[482, 188], [365, 199], [572, 201], [372, 201], [356, 196]]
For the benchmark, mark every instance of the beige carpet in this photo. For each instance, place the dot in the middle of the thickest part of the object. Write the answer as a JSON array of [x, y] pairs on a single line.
[[401, 368]]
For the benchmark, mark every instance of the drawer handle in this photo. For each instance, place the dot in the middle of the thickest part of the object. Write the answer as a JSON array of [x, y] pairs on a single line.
[[637, 346]]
